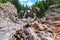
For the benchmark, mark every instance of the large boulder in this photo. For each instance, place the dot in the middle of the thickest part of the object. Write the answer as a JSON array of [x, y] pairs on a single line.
[[9, 7], [53, 14], [36, 9], [8, 21], [9, 10]]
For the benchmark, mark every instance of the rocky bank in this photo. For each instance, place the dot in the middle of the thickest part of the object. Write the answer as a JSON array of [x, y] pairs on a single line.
[[12, 28], [47, 28]]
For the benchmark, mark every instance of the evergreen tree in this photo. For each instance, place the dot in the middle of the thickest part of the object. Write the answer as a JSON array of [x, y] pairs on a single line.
[[44, 4]]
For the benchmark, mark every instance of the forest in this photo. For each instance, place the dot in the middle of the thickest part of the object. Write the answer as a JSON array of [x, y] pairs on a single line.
[[43, 5]]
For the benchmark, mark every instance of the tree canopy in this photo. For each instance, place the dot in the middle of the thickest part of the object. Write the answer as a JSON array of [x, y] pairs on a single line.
[[43, 5]]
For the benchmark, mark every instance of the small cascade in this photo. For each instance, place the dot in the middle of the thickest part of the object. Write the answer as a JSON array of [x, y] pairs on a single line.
[[25, 15]]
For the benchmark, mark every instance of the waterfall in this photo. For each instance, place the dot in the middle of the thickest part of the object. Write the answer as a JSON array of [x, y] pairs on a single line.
[[25, 14]]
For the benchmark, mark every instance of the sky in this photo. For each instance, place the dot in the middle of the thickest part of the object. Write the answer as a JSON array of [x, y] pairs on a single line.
[[27, 2]]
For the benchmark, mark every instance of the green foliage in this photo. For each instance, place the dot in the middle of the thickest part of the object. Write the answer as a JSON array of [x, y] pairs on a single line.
[[55, 6], [24, 7], [40, 5], [3, 1], [17, 4], [44, 4], [1, 7]]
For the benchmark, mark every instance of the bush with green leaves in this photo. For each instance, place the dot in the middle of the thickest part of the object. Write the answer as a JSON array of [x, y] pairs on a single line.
[[44, 5]]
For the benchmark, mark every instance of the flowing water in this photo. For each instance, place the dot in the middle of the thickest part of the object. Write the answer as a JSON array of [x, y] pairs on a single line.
[[24, 16]]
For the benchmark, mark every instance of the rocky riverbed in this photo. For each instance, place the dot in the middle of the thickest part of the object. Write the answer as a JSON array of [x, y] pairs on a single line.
[[47, 28], [13, 28]]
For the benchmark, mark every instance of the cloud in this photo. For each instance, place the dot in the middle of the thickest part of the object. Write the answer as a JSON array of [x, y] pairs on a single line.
[[30, 3], [27, 2], [22, 0]]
